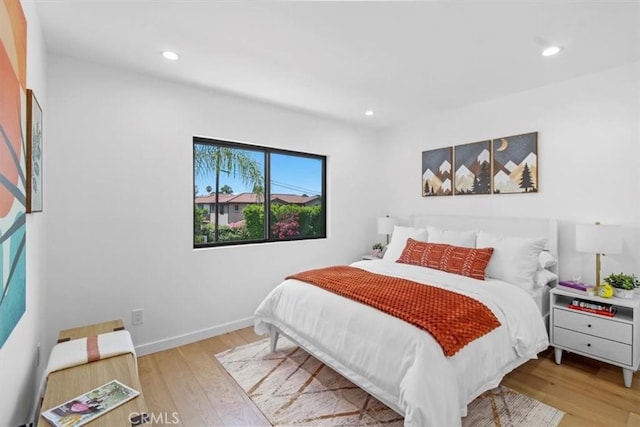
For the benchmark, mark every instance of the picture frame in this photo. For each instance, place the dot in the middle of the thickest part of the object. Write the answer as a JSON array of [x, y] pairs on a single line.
[[515, 164], [437, 168], [34, 154], [472, 173]]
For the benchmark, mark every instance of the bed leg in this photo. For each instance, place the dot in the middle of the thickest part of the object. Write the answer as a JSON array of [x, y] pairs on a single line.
[[273, 342]]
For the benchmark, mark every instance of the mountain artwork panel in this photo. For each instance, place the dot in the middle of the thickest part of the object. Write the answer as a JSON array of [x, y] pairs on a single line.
[[473, 168], [436, 172], [515, 164]]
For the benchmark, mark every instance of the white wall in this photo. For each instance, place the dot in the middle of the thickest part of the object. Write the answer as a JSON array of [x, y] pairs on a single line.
[[119, 203], [589, 151], [18, 371]]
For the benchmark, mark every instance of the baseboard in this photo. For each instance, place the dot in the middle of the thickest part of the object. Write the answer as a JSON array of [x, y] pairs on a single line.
[[165, 344]]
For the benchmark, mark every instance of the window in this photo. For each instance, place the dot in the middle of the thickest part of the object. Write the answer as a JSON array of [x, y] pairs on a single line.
[[290, 207]]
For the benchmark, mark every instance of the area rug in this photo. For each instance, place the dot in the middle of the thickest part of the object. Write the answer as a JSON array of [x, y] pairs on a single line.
[[291, 387]]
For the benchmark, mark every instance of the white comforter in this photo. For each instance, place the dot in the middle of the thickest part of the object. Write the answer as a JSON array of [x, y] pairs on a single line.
[[400, 364]]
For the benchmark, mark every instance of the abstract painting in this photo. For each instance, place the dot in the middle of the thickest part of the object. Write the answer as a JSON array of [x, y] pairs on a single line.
[[13, 84], [515, 164], [34, 154], [436, 172], [473, 168]]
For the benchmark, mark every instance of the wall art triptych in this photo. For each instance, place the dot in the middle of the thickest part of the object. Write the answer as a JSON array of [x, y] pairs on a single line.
[[499, 166]]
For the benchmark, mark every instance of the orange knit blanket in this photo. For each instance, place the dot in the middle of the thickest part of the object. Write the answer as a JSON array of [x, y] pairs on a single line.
[[454, 320]]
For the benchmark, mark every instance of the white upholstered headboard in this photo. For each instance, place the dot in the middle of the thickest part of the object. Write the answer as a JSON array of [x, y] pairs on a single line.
[[517, 227]]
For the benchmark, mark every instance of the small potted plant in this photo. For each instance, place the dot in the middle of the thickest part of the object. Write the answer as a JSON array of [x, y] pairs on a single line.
[[377, 250], [623, 284]]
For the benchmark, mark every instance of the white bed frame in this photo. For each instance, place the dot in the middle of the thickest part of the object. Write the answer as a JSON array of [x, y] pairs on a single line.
[[517, 227]]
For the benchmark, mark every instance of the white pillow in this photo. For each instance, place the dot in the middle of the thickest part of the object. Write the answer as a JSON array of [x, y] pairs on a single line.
[[546, 260], [514, 259], [542, 277], [399, 241], [465, 239]]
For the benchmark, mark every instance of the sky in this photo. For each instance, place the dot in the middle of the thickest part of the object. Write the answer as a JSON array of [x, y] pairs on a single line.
[[289, 175]]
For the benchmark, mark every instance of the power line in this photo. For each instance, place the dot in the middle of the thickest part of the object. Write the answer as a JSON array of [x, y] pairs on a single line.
[[277, 184], [293, 187]]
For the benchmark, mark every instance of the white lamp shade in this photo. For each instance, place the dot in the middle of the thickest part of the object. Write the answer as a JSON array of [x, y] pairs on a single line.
[[386, 225], [598, 239]]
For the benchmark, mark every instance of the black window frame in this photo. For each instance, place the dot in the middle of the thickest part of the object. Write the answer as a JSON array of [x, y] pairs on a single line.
[[267, 191]]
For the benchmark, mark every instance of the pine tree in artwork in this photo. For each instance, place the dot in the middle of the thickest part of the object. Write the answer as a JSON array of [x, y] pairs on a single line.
[[426, 188], [483, 179], [526, 181]]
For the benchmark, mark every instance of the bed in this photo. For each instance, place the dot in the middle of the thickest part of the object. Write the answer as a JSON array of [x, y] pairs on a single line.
[[400, 364]]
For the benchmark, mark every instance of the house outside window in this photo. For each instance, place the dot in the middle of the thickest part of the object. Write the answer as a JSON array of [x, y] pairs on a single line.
[[291, 206]]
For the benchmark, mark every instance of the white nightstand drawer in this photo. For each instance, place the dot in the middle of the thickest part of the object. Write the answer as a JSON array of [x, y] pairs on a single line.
[[606, 349], [604, 327]]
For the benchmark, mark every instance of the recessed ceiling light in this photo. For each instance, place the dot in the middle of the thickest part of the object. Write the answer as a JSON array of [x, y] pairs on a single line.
[[172, 56], [550, 51], [368, 113]]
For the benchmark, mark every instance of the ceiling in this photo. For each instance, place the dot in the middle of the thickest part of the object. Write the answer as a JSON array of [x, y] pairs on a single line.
[[338, 59]]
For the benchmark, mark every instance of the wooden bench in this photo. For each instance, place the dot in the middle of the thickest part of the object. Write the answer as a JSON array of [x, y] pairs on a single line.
[[66, 384]]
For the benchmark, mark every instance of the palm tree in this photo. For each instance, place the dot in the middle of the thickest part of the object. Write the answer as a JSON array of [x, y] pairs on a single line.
[[258, 190], [215, 159]]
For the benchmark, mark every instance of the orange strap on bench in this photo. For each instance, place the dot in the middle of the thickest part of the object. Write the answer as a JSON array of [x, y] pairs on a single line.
[[93, 351]]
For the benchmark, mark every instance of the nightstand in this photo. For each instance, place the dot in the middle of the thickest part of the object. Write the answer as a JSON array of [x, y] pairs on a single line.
[[614, 340]]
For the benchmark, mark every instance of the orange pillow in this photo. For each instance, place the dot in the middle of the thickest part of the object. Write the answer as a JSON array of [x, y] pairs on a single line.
[[468, 262], [423, 253]]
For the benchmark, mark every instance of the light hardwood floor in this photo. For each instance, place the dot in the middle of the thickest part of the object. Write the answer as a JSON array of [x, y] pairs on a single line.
[[189, 381]]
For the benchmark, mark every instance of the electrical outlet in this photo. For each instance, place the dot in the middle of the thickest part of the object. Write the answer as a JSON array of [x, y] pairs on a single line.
[[137, 316]]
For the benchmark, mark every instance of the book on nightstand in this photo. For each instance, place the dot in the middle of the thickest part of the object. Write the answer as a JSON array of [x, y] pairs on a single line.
[[594, 311], [593, 307], [580, 288]]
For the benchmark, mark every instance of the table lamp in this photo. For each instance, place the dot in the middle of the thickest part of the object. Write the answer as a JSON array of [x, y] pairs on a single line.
[[385, 226], [598, 239]]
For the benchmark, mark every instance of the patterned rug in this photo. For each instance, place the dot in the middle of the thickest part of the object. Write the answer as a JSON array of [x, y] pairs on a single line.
[[291, 387]]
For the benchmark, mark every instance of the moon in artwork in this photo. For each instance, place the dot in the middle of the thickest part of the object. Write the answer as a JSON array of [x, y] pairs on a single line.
[[504, 145]]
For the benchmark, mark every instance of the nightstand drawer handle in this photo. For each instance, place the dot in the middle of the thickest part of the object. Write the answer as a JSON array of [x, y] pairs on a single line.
[[588, 344], [589, 325]]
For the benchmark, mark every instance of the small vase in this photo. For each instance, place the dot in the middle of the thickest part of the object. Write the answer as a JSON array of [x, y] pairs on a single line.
[[377, 253], [623, 293]]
